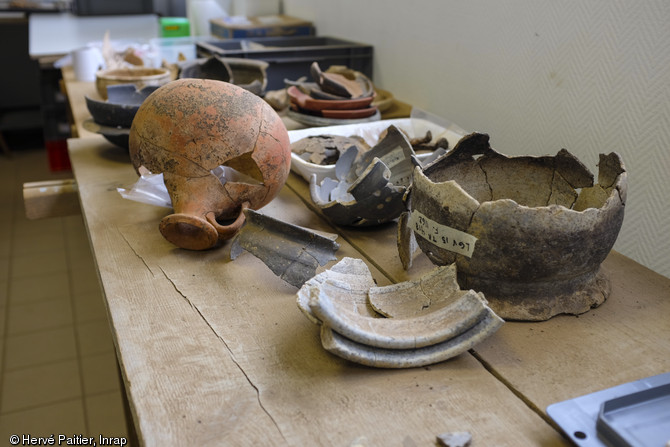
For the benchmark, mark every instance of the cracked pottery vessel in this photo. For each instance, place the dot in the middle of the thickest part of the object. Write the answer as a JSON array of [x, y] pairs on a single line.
[[221, 149], [539, 227]]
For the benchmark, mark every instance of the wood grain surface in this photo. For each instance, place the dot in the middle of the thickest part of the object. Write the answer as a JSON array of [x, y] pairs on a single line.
[[216, 352]]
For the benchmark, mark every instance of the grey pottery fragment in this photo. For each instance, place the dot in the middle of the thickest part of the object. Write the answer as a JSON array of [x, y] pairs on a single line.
[[249, 74], [400, 333], [326, 149], [206, 68], [434, 290], [410, 358], [370, 187], [542, 228], [455, 439], [293, 253], [349, 280], [435, 320]]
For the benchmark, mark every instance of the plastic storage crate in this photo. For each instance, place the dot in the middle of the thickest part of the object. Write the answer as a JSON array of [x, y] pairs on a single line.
[[291, 57], [264, 26]]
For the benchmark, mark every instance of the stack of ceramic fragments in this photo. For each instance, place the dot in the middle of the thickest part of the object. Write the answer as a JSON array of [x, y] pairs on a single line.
[[415, 323], [370, 185], [337, 93]]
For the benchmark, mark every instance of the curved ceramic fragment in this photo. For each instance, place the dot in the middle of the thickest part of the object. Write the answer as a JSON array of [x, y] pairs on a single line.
[[406, 241], [293, 253], [353, 86], [395, 150], [312, 89], [409, 299], [349, 280], [409, 358], [214, 68], [249, 74], [399, 333]]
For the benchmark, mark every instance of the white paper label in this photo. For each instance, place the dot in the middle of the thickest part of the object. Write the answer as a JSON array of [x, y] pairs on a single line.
[[400, 175], [441, 235]]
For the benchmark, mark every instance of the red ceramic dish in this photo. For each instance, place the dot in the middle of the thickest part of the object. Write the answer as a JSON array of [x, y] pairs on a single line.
[[339, 114], [304, 101]]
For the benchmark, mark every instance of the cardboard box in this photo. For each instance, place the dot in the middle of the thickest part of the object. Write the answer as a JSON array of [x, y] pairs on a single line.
[[260, 26]]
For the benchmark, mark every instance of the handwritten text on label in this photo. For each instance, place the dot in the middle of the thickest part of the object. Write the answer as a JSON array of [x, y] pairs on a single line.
[[441, 235]]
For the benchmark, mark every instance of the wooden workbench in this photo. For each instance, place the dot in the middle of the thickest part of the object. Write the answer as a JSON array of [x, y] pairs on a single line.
[[216, 352]]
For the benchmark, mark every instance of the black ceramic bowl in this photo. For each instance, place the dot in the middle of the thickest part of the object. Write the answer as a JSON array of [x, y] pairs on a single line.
[[121, 105], [112, 118]]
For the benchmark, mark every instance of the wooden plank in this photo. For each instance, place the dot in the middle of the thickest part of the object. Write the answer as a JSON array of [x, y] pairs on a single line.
[[625, 339], [52, 198], [215, 351]]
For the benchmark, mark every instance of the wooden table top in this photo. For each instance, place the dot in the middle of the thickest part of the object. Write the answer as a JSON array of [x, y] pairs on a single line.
[[215, 351]]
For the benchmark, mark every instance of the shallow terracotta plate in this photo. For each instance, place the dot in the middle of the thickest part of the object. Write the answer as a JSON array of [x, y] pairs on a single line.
[[306, 102], [341, 114]]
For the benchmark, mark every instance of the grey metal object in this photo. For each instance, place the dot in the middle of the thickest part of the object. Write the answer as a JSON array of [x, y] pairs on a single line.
[[293, 253], [639, 419], [578, 417]]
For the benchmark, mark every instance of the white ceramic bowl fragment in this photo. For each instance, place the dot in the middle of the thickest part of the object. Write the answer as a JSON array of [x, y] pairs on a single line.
[[430, 320]]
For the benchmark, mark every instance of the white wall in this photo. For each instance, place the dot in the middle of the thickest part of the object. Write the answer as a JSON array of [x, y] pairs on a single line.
[[591, 76]]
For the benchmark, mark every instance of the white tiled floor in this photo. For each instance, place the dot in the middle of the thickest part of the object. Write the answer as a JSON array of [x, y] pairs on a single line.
[[58, 372]]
